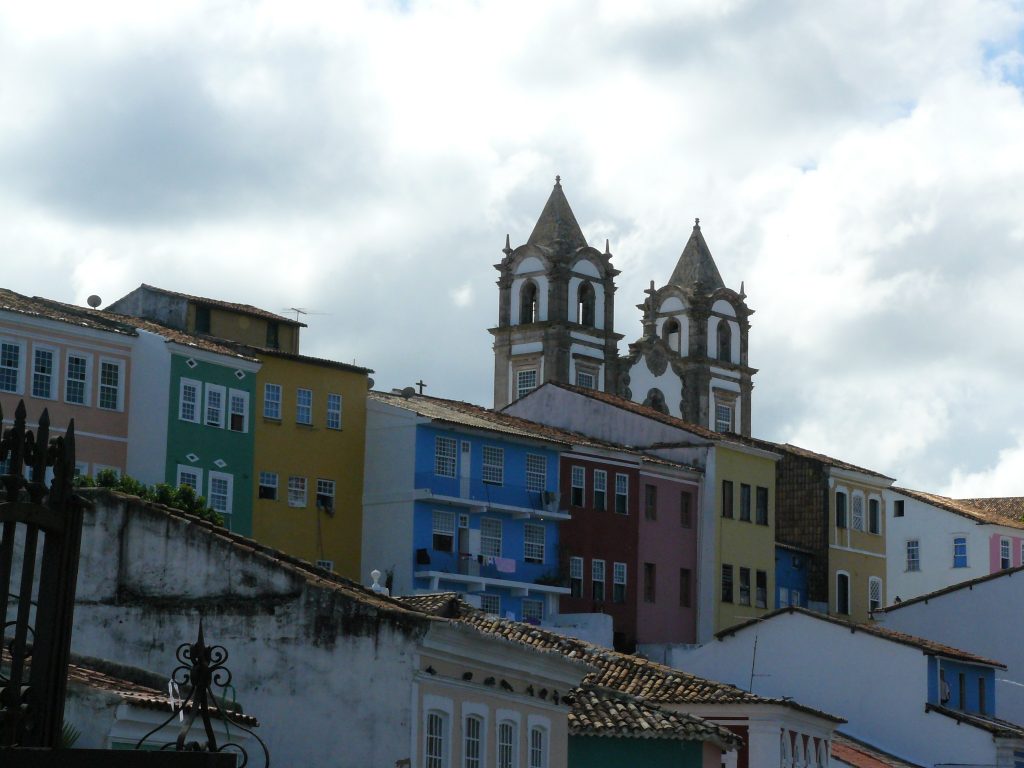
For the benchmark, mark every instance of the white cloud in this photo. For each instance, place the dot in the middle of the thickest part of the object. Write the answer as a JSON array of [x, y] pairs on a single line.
[[1005, 478]]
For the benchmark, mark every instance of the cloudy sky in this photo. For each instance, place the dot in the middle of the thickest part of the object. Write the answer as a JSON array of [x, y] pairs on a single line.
[[859, 166]]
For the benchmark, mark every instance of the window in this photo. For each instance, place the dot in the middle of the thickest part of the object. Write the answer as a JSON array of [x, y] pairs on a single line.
[[268, 486], [490, 537], [444, 456], [727, 498], [585, 304], [1005, 560], [618, 582], [981, 695], [219, 496], [685, 600], [650, 582], [745, 502], [913, 555], [536, 472], [597, 580], [42, 373], [494, 465], [214, 406], [622, 494], [723, 417], [333, 411], [110, 385], [726, 583], [585, 379], [744, 586], [533, 611], [190, 476], [76, 385], [762, 506], [963, 690], [273, 335], [238, 405], [327, 565], [538, 748], [533, 543], [685, 516], [600, 489], [651, 502], [188, 399], [761, 585], [436, 748], [874, 593], [843, 593], [840, 509], [507, 743], [576, 577], [898, 508], [525, 381], [528, 303], [858, 512], [325, 495], [272, 401], [724, 339], [10, 367], [576, 496], [296, 491], [444, 531], [304, 406], [874, 516], [670, 333], [202, 319], [491, 604], [472, 748], [960, 552]]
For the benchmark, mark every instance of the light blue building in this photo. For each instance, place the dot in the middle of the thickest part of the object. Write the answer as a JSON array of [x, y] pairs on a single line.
[[459, 498]]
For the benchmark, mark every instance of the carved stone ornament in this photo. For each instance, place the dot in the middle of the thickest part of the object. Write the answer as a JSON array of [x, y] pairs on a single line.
[[657, 360]]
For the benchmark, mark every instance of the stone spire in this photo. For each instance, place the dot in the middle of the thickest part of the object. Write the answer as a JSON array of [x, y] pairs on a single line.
[[696, 265], [557, 225]]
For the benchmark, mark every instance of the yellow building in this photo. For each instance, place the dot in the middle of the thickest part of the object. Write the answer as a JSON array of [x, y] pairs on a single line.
[[743, 482], [310, 432]]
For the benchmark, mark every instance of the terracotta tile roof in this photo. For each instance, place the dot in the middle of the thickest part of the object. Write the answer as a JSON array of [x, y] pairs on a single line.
[[929, 647], [48, 309], [972, 509], [1000, 728], [969, 584], [600, 711], [861, 755], [648, 680], [829, 460], [1008, 508], [184, 338], [321, 361], [247, 309], [445, 604]]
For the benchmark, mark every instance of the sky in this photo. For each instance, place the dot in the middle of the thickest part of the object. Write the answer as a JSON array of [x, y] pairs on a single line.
[[858, 166]]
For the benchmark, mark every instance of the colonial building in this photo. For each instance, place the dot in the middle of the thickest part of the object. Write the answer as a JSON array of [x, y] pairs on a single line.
[[556, 323]]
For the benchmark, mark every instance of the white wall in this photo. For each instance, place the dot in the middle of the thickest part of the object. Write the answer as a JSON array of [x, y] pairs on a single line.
[[879, 686], [642, 380], [956, 619], [148, 410]]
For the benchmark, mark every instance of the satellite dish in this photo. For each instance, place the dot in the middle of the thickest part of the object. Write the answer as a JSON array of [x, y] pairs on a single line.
[[94, 301]]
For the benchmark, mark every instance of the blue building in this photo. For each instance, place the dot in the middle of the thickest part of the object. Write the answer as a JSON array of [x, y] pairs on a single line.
[[460, 498], [791, 568]]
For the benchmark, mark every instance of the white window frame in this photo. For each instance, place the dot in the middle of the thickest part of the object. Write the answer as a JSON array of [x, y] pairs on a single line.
[[878, 517], [967, 559], [272, 396], [538, 754], [597, 577], [334, 406], [486, 601], [578, 482], [197, 402], [490, 541], [301, 408], [874, 581], [298, 485], [623, 492], [445, 456], [442, 523], [215, 389], [260, 483], [533, 550], [537, 474], [493, 468], [915, 561], [507, 752], [525, 384], [849, 593], [583, 376], [478, 712], [602, 476], [86, 382], [723, 417], [576, 574], [188, 469], [535, 608], [326, 487], [857, 511], [443, 740], [54, 371], [619, 575], [19, 370], [213, 476], [1005, 553], [119, 390], [243, 396]]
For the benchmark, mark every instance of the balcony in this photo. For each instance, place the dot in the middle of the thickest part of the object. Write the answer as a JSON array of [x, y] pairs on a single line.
[[471, 583], [477, 496]]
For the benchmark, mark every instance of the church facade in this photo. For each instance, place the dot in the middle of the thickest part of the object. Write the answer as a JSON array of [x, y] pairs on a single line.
[[556, 314]]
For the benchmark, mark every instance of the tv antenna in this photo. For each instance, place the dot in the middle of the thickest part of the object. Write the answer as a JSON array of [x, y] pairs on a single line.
[[303, 311]]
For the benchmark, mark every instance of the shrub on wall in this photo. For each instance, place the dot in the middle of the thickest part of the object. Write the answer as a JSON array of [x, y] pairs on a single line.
[[184, 497]]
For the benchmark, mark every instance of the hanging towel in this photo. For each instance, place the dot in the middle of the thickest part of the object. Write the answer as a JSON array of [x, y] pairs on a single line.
[[489, 560], [505, 564]]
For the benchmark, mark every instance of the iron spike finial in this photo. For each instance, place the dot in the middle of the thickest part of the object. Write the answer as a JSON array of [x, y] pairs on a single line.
[[607, 251], [508, 245], [696, 223], [558, 180]]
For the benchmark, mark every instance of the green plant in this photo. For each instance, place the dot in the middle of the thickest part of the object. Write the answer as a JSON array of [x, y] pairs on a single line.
[[107, 478], [183, 497], [68, 736]]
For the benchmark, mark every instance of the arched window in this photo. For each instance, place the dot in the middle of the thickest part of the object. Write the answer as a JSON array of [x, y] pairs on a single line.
[[507, 745], [585, 304], [538, 747], [670, 333], [724, 340], [843, 593], [473, 749], [436, 746], [528, 303]]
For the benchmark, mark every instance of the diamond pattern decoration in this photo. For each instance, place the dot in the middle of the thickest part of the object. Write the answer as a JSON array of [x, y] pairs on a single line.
[[192, 457], [239, 374], [191, 362], [220, 463]]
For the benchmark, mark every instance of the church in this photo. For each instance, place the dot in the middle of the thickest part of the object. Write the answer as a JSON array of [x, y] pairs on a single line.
[[556, 313]]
